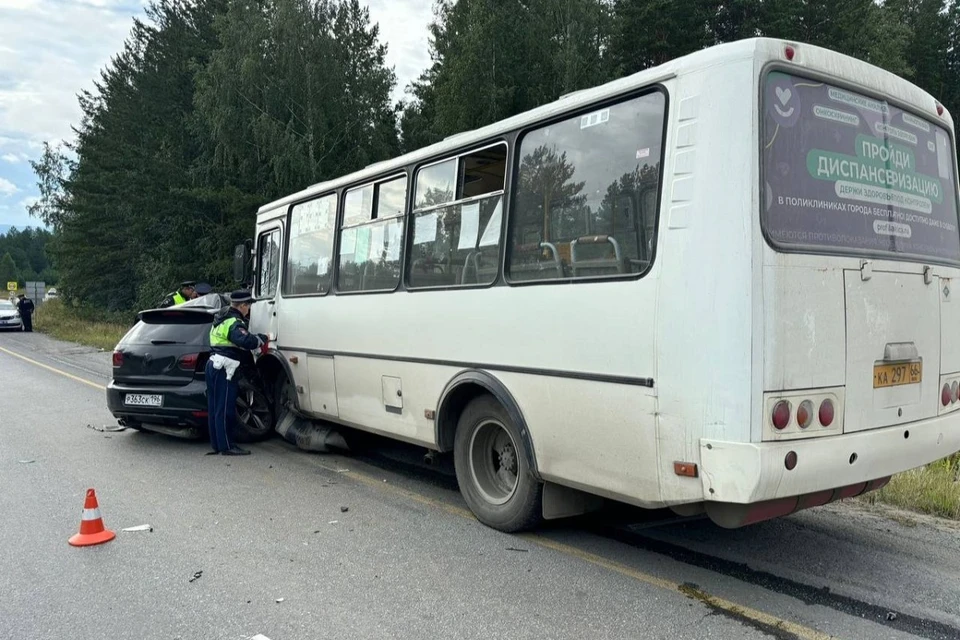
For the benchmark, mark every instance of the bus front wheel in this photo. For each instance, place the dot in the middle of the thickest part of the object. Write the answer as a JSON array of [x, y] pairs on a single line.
[[492, 469]]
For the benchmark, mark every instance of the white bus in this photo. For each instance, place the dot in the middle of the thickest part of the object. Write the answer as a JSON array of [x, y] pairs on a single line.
[[721, 285]]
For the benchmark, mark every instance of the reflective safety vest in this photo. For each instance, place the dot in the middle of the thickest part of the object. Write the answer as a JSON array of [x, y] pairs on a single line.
[[220, 334], [178, 298]]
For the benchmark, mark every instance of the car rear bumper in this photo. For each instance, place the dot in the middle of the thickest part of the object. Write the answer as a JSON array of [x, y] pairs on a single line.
[[826, 468], [183, 406]]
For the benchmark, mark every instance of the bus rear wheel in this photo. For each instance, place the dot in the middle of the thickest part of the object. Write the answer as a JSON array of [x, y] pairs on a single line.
[[492, 469]]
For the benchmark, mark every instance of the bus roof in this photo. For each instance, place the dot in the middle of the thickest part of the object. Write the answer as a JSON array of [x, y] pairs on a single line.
[[809, 57]]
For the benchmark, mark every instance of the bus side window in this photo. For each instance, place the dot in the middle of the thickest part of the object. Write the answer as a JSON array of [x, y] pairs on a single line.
[[456, 230], [581, 207], [371, 235], [310, 251]]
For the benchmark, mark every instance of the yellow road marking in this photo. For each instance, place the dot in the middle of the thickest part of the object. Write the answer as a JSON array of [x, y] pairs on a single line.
[[55, 370], [726, 605], [719, 603]]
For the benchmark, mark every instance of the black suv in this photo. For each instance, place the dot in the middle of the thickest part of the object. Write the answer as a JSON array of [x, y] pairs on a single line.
[[158, 375]]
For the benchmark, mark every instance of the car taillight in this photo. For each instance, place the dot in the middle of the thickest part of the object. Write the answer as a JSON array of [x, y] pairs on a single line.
[[188, 362], [826, 412], [805, 414], [781, 415], [117, 359], [193, 362]]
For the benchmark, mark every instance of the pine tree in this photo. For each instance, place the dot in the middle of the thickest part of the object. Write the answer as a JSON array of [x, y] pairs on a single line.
[[8, 269]]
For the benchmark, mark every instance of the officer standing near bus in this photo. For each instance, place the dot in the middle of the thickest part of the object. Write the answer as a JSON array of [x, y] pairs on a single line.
[[231, 343], [187, 291]]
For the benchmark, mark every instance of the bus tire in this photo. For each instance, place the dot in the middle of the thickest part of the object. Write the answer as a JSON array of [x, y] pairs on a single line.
[[492, 468]]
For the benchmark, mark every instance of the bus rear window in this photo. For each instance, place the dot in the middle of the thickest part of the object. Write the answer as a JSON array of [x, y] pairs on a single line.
[[847, 173]]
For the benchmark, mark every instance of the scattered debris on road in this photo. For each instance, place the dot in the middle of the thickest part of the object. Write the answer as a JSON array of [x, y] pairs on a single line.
[[515, 549], [344, 509], [139, 527], [279, 600], [107, 428], [26, 461], [196, 576], [259, 636], [333, 522], [891, 616]]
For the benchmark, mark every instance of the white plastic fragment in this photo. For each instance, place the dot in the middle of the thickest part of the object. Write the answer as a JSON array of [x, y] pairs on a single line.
[[333, 522], [279, 600], [139, 527], [26, 461], [260, 636]]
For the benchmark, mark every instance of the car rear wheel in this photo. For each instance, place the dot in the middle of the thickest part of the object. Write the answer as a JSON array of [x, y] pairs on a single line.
[[254, 415]]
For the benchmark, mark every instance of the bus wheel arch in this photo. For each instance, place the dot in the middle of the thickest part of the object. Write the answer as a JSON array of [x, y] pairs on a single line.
[[464, 388], [276, 374]]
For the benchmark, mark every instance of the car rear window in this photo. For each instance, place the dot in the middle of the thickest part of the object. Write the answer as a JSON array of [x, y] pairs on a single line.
[[193, 328], [849, 173]]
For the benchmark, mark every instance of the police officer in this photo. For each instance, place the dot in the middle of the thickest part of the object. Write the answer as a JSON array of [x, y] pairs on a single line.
[[187, 291], [25, 307], [231, 343]]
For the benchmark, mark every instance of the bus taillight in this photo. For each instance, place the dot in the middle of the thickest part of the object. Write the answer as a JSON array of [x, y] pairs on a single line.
[[939, 109], [945, 395], [781, 415], [826, 412], [789, 52], [805, 414]]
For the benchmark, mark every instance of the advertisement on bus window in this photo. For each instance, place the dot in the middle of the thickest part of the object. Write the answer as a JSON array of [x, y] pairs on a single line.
[[844, 171]]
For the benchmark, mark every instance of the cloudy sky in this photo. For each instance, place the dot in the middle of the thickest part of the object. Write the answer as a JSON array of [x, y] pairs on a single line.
[[52, 49]]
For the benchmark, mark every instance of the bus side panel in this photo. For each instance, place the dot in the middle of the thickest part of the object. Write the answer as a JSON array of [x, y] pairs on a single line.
[[390, 397], [705, 305], [595, 436]]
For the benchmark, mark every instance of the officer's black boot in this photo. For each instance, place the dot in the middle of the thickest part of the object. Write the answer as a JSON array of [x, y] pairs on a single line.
[[235, 451]]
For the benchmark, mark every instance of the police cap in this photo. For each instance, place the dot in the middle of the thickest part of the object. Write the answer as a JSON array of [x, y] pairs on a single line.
[[188, 284], [238, 297]]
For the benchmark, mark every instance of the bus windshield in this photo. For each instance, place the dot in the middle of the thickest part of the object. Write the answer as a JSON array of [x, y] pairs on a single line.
[[847, 173]]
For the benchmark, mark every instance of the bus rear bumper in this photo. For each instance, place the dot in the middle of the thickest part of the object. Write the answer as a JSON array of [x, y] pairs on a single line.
[[749, 482]]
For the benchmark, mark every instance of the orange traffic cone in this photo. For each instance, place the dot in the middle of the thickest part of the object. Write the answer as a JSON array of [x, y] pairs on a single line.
[[92, 530]]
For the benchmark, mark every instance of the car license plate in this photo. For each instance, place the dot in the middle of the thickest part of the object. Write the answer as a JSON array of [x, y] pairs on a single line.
[[896, 374], [142, 400]]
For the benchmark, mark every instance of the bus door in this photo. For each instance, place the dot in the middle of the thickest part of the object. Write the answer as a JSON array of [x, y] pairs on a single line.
[[263, 314]]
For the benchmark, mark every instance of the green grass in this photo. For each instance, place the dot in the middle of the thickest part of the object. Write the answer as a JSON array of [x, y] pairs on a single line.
[[76, 325], [933, 489]]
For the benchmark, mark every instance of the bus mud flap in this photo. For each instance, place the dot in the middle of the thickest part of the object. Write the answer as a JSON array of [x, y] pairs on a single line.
[[564, 502], [309, 435]]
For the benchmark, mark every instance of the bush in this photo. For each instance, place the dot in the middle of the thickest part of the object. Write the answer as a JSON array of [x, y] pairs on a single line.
[[91, 327]]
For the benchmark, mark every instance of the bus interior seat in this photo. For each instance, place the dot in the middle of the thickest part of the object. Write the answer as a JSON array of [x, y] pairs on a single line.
[[596, 255], [543, 263], [309, 283], [480, 267]]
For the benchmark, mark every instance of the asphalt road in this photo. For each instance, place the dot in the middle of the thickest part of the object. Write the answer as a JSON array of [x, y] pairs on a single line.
[[279, 558]]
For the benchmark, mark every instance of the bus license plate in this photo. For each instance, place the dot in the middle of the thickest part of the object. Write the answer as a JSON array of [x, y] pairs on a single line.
[[894, 375], [143, 400]]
